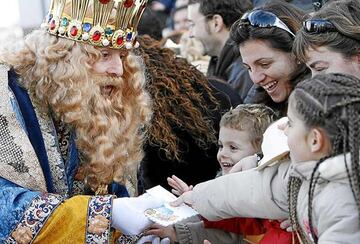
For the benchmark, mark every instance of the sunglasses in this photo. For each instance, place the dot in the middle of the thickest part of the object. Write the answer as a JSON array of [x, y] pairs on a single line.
[[317, 4], [264, 19], [318, 26]]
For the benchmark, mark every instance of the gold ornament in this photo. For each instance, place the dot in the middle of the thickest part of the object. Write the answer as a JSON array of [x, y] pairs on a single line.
[[102, 23]]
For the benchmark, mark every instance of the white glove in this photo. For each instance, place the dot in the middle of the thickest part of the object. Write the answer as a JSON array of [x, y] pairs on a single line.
[[128, 213], [153, 239]]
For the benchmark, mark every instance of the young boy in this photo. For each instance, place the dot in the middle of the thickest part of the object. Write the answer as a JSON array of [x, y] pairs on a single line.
[[241, 132]]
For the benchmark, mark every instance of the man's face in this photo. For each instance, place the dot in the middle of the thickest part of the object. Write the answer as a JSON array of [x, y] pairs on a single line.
[[199, 28], [109, 65], [180, 19], [110, 62]]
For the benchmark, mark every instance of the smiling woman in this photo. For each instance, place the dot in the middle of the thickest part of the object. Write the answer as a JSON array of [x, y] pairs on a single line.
[[265, 37], [270, 68]]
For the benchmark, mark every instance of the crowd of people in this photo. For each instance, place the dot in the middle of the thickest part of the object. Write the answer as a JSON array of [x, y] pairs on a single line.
[[248, 111]]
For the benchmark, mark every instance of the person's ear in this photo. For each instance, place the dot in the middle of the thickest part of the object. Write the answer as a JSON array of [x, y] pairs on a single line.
[[218, 23], [317, 140]]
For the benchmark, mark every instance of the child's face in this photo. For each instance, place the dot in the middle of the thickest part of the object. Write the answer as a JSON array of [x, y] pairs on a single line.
[[233, 146], [297, 137]]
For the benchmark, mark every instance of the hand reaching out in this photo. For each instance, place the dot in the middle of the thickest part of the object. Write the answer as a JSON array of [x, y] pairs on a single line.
[[179, 186]]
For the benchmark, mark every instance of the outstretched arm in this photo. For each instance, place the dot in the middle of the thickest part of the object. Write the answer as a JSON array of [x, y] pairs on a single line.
[[252, 193]]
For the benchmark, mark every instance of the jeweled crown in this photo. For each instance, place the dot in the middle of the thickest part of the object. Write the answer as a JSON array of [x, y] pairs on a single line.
[[103, 23]]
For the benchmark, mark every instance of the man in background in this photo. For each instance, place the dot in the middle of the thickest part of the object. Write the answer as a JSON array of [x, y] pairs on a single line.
[[210, 22]]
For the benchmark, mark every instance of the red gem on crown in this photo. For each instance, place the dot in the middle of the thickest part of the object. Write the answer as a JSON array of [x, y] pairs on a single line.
[[73, 31], [119, 40], [52, 25], [104, 1], [96, 36], [128, 3]]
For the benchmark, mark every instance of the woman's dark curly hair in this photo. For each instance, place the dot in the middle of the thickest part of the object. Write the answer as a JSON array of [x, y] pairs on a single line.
[[182, 99]]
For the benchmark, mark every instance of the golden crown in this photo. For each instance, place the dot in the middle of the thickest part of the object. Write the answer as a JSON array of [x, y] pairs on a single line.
[[104, 23]]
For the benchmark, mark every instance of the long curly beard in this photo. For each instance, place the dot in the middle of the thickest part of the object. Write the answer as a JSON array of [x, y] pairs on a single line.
[[58, 73], [107, 118]]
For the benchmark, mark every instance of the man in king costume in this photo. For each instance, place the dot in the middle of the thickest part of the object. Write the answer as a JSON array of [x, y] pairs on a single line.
[[73, 111]]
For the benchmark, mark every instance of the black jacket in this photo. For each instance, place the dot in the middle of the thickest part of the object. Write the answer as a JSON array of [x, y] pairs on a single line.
[[228, 66], [224, 88]]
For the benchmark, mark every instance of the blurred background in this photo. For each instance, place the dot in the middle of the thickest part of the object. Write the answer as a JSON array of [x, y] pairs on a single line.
[[19, 17]]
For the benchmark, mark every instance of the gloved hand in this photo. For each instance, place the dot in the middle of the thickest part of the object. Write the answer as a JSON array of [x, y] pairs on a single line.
[[128, 213], [153, 240]]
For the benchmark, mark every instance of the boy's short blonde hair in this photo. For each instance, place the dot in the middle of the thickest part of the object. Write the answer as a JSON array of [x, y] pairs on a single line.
[[252, 118]]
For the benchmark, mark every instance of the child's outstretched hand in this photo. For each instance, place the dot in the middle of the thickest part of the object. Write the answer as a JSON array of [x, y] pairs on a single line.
[[179, 186]]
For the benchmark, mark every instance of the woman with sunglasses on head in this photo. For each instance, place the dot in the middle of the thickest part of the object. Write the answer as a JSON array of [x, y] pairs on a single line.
[[265, 38], [329, 41]]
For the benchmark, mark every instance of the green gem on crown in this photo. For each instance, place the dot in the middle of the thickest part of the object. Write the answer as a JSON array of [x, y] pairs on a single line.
[[108, 31], [64, 22]]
